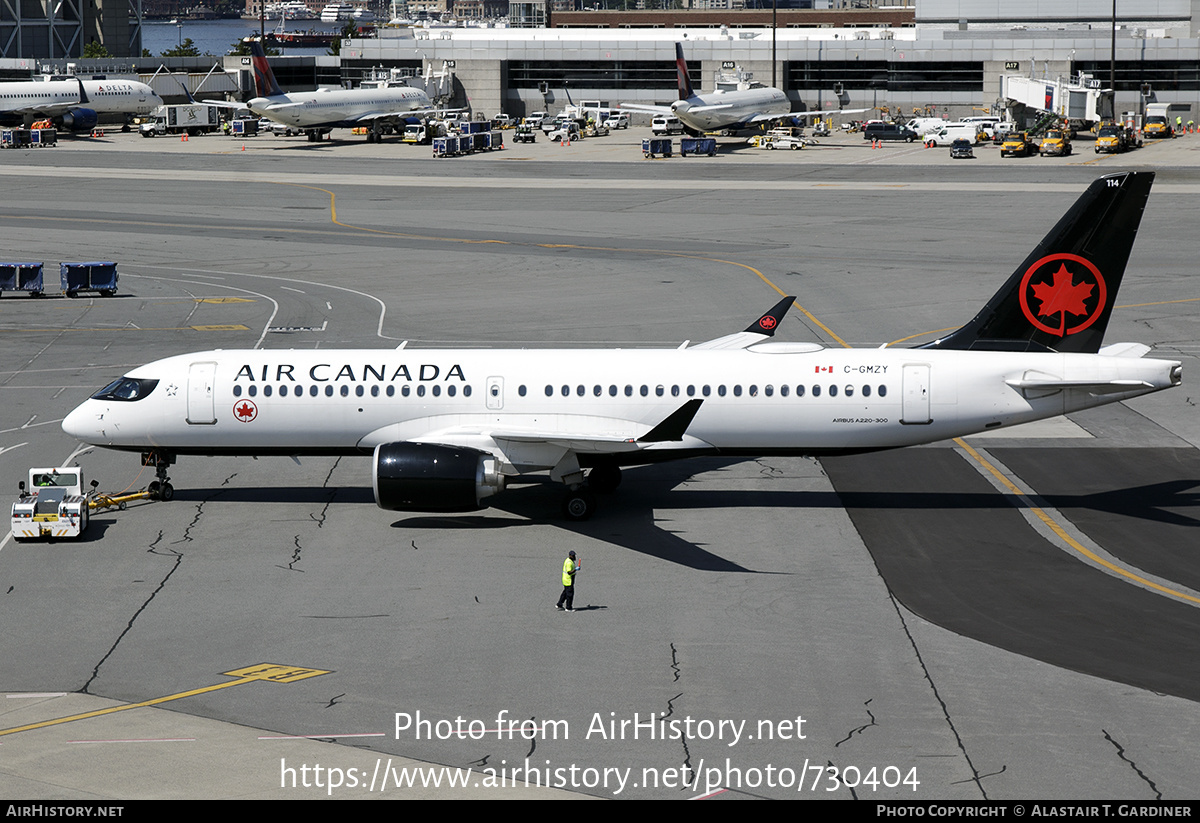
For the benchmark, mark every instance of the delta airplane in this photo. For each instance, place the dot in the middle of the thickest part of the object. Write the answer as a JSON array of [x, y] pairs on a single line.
[[74, 105], [755, 108], [448, 427], [317, 112]]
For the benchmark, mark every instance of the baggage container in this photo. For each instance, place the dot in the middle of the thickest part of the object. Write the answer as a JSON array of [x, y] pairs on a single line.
[[98, 276], [22, 277], [697, 145], [656, 146]]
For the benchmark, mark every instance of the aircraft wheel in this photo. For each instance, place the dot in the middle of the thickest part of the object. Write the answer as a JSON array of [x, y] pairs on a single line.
[[167, 492], [153, 489], [604, 479], [579, 504]]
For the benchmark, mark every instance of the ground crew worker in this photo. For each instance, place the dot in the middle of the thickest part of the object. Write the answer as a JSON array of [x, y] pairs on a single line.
[[570, 567], [1179, 124]]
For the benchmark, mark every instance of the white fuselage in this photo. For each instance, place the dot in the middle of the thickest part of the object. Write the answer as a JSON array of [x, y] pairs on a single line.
[[530, 407], [717, 110], [339, 107], [55, 96]]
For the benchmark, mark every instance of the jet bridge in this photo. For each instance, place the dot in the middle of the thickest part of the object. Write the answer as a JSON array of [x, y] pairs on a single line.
[[1079, 99]]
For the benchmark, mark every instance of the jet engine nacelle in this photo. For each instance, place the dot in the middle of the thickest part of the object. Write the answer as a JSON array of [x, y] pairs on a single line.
[[433, 478], [80, 120]]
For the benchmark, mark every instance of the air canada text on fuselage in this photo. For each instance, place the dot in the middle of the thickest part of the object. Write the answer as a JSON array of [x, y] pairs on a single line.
[[352, 373]]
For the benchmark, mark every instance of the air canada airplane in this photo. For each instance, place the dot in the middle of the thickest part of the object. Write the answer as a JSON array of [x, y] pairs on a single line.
[[448, 427], [755, 107], [75, 104], [317, 112]]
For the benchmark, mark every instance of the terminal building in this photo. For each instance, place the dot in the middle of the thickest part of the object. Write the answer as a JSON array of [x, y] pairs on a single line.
[[948, 55]]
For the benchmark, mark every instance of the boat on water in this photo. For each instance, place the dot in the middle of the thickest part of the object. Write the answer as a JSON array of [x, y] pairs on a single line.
[[337, 13]]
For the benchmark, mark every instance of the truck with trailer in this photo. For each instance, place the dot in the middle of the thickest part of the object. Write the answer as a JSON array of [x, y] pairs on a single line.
[[192, 118]]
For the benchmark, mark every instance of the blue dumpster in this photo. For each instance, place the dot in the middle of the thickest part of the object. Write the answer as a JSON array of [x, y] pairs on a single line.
[[99, 276], [22, 277]]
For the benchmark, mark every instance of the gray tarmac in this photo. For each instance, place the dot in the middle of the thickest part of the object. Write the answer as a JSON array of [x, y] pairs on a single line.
[[271, 619]]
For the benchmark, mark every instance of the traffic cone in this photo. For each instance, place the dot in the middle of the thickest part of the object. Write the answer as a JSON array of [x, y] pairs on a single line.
[[183, 138], [243, 146]]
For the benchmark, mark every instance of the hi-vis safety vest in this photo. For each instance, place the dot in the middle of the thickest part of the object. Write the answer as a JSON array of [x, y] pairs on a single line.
[[568, 567]]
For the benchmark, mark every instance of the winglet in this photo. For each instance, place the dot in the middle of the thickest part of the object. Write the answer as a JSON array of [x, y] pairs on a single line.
[[83, 98], [675, 425], [769, 321], [681, 73]]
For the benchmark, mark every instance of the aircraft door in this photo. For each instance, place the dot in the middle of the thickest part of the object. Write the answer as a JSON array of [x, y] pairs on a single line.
[[201, 409], [915, 408], [495, 393]]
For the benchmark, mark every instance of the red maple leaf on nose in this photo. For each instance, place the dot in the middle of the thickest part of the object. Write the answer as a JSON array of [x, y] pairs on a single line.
[[1063, 295]]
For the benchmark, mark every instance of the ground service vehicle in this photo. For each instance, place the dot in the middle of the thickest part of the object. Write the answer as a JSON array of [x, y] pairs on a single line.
[[1158, 120], [889, 131], [53, 505], [1111, 139], [666, 124], [961, 149], [1017, 144], [1057, 142], [955, 131], [620, 120], [192, 118], [525, 133]]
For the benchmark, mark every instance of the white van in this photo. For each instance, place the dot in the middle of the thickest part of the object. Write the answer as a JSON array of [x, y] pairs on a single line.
[[924, 125], [666, 124], [955, 131]]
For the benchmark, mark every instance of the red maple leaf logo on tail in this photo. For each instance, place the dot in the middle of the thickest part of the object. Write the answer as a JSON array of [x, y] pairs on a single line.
[[1062, 296]]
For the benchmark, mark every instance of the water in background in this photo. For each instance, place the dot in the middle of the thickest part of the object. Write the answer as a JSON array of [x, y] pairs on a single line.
[[216, 37]]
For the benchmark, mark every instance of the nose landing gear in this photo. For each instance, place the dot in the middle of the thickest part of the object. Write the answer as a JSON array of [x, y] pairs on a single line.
[[160, 489]]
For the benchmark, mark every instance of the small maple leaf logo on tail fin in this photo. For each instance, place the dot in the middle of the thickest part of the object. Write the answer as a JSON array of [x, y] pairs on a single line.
[[1058, 295]]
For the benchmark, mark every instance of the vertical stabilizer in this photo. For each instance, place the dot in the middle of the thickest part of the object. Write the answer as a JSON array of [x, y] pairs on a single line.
[[681, 74], [264, 78], [1061, 297]]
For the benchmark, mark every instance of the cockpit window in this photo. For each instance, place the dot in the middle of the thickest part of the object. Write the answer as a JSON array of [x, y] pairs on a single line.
[[126, 389]]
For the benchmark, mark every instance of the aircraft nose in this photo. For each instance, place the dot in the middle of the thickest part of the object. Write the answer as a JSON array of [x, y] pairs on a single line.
[[81, 423]]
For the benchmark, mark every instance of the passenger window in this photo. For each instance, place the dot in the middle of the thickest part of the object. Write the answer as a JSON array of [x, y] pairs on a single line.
[[629, 391], [658, 391], [374, 391], [549, 391], [420, 391], [799, 391], [451, 390], [674, 391], [466, 391], [329, 391], [237, 391], [721, 390], [706, 391], [645, 390], [312, 391], [283, 390], [783, 391], [768, 390], [866, 390], [612, 391], [358, 390], [597, 390], [253, 390], [816, 391], [566, 391], [737, 390], [849, 391], [345, 391], [391, 391], [691, 391], [882, 390], [833, 391], [404, 390], [521, 391], [437, 391]]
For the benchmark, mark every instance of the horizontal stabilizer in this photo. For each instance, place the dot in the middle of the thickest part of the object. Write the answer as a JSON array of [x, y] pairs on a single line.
[[1094, 386]]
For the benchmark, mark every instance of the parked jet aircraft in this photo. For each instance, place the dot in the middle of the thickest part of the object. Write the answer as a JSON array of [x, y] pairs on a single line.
[[756, 107], [74, 104], [448, 427], [317, 112]]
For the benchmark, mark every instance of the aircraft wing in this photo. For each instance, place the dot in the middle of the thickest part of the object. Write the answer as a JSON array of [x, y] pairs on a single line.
[[824, 112], [649, 109], [383, 115]]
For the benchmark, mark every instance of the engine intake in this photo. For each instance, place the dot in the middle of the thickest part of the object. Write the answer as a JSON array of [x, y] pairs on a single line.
[[433, 478], [80, 120]]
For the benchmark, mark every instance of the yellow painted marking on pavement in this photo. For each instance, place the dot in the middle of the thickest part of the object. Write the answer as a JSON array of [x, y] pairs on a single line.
[[272, 672], [683, 255], [230, 327], [920, 334], [224, 300], [1062, 534]]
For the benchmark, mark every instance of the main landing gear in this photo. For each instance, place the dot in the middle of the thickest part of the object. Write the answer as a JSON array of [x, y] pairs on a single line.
[[580, 501], [160, 489]]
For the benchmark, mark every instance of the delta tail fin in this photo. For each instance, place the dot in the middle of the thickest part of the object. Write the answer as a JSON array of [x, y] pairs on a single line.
[[264, 78], [1061, 297], [681, 74]]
